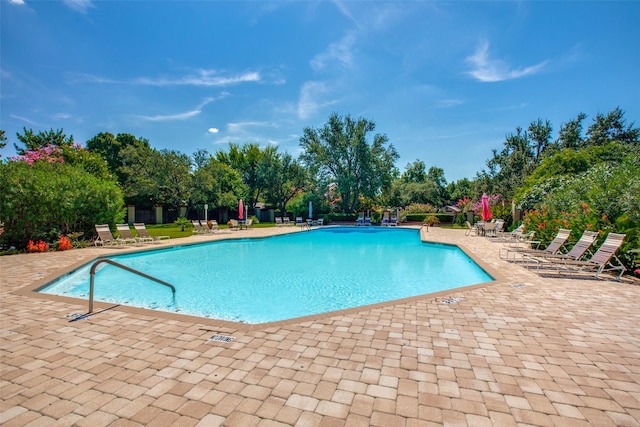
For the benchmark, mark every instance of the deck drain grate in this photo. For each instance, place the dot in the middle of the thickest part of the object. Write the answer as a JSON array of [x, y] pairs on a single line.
[[451, 300], [518, 285], [221, 338]]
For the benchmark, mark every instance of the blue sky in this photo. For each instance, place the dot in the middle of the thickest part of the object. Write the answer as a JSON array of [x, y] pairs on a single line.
[[445, 81]]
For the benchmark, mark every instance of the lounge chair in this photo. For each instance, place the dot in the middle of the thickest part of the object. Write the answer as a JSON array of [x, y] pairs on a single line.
[[106, 238], [576, 253], [360, 219], [197, 227], [367, 221], [279, 221], [510, 236], [302, 223], [553, 248], [601, 260], [320, 222], [471, 229], [212, 225], [286, 220], [125, 233], [394, 221], [142, 231], [386, 221], [233, 224]]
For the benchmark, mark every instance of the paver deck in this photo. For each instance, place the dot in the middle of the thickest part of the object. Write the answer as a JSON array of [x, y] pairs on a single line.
[[524, 351]]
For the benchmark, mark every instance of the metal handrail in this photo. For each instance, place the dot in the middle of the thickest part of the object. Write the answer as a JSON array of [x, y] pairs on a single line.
[[124, 267]]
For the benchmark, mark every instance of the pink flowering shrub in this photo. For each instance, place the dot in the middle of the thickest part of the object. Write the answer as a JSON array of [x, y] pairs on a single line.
[[50, 153]]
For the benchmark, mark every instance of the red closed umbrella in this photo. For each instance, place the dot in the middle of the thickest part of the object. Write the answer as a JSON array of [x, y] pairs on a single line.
[[240, 210], [486, 210]]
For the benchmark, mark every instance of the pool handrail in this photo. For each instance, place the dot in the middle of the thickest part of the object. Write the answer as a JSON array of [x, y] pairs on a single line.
[[124, 267]]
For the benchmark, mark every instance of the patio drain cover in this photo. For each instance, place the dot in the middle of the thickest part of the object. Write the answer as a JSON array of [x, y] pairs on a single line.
[[221, 338], [451, 300]]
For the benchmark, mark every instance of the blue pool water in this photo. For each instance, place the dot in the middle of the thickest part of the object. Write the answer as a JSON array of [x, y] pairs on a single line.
[[281, 277]]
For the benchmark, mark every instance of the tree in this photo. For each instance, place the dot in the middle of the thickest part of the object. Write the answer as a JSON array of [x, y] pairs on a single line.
[[340, 154], [287, 178], [110, 147], [217, 184], [540, 134], [415, 172], [509, 167], [570, 135], [34, 141], [174, 178], [612, 127], [254, 165], [3, 138], [152, 177]]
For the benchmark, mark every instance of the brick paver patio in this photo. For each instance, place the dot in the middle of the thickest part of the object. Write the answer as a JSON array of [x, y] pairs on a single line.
[[524, 351]]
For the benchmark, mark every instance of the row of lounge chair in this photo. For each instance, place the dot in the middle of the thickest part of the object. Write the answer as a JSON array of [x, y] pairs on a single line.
[[578, 260], [284, 221], [203, 227], [125, 236]]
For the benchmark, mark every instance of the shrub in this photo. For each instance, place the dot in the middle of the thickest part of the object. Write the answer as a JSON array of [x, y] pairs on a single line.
[[431, 220], [42, 200]]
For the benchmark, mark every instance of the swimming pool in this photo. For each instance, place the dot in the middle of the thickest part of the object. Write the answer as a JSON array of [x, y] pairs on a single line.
[[281, 277]]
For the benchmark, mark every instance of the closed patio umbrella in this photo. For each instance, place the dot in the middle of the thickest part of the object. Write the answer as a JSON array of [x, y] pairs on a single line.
[[240, 210], [486, 210], [310, 209]]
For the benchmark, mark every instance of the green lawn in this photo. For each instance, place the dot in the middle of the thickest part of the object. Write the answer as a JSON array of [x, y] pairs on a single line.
[[175, 231]]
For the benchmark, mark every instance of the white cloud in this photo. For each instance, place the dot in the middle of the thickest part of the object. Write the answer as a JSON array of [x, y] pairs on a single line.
[[202, 78], [243, 128], [213, 130], [81, 6], [178, 116], [206, 78], [486, 69], [313, 96], [339, 53], [448, 103], [24, 119]]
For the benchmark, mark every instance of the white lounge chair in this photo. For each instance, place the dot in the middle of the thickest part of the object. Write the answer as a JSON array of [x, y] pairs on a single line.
[[553, 248], [197, 227], [600, 262], [142, 231], [106, 238], [125, 233]]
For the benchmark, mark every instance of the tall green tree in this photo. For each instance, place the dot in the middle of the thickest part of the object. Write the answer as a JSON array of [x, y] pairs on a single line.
[[340, 154], [611, 127], [151, 177], [33, 141], [286, 179], [110, 147], [254, 164], [3, 139], [570, 135], [540, 135], [510, 166], [217, 184], [415, 172]]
